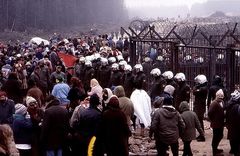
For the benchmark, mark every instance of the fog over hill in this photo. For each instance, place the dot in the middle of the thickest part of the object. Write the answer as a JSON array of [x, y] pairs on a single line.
[[229, 7]]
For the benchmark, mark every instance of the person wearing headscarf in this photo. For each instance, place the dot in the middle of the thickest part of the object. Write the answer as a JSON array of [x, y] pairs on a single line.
[[95, 88], [216, 117], [22, 130], [114, 129], [233, 122], [106, 95], [125, 103]]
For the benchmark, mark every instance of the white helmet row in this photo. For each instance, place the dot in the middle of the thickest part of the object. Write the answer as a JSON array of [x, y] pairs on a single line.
[[82, 59], [122, 63], [104, 61], [200, 79], [115, 66], [128, 67], [119, 58], [180, 77], [112, 60], [155, 72], [138, 67], [88, 63], [168, 74]]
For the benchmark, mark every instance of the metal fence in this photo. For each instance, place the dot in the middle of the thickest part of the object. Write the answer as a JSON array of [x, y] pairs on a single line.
[[209, 49]]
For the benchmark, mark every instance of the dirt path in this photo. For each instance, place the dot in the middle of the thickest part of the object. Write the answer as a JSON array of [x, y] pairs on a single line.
[[141, 147]]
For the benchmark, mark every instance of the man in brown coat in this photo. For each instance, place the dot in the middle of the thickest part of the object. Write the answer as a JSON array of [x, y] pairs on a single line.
[[125, 103]]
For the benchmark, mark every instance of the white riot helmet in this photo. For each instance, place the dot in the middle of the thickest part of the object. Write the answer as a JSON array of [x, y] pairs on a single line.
[[111, 60], [138, 67], [104, 61], [115, 66], [128, 67], [147, 59], [168, 74], [200, 79], [89, 58], [160, 58], [88, 64], [82, 59], [180, 77], [96, 56], [120, 58], [123, 63], [155, 72]]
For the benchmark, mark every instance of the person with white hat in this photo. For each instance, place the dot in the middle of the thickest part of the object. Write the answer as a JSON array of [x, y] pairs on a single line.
[[216, 116]]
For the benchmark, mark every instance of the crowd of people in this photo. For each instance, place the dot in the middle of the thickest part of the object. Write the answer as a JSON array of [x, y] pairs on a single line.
[[93, 107]]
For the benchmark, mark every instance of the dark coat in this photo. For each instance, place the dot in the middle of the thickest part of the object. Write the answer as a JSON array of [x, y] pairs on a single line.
[[200, 92], [182, 94], [116, 78], [86, 126], [216, 113], [140, 81], [115, 132], [167, 125], [13, 89], [22, 129], [233, 119], [89, 74], [157, 87], [128, 84], [7, 110], [191, 121], [55, 127], [104, 76]]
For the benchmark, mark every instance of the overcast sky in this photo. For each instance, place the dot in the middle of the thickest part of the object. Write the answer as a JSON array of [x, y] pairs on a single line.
[[153, 3]]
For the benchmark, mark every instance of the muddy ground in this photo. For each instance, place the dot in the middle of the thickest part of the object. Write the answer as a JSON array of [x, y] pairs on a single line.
[[140, 146]]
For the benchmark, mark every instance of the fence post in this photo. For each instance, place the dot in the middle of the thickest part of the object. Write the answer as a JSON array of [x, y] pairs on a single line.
[[132, 51], [174, 53], [212, 65], [231, 67]]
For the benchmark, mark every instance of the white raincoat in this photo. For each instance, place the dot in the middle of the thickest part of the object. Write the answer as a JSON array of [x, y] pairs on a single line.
[[142, 106]]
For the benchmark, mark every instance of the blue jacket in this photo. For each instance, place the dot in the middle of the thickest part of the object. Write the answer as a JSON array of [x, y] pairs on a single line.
[[22, 129], [60, 91]]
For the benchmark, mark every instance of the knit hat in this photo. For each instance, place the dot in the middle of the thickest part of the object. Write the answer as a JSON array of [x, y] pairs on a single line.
[[30, 99], [20, 109], [113, 102], [220, 94], [169, 89]]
